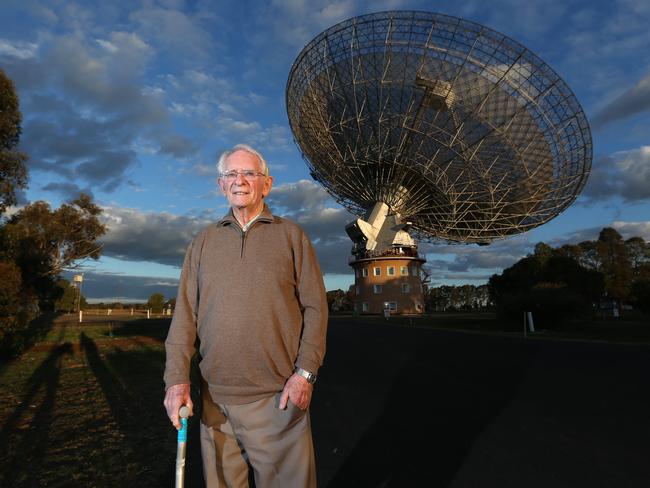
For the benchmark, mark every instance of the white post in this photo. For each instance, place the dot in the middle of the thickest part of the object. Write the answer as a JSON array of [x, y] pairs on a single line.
[[81, 316], [131, 311], [531, 324], [148, 313]]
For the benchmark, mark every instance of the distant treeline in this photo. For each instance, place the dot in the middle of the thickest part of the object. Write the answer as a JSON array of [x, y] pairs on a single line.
[[456, 298]]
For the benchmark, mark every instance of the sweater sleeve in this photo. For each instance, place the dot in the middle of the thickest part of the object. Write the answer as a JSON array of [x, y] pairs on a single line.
[[311, 294], [179, 345]]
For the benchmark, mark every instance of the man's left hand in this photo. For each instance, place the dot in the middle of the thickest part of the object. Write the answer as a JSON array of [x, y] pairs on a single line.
[[298, 390]]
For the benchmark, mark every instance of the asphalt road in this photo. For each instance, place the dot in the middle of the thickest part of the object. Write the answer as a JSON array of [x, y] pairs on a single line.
[[411, 407]]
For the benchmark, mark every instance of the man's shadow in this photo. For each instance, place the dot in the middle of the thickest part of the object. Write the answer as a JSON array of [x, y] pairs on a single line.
[[442, 396]]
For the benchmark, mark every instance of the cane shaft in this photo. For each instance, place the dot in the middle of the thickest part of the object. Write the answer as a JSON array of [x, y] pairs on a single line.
[[180, 454]]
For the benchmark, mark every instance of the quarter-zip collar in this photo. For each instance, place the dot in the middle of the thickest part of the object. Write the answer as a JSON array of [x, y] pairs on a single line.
[[229, 218]]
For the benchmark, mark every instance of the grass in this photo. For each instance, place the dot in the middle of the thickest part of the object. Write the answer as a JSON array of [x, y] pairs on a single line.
[[83, 407], [634, 328]]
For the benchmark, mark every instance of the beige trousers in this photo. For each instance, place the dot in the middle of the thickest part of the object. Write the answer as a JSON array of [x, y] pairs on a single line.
[[276, 443]]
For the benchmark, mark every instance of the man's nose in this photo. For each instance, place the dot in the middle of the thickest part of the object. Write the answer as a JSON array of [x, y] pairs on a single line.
[[240, 178]]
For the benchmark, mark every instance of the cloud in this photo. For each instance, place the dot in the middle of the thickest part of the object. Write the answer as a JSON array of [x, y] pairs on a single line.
[[69, 191], [17, 49], [461, 259], [86, 113], [177, 146], [111, 287], [309, 205], [178, 33], [633, 229], [146, 236], [219, 105], [299, 195], [629, 103], [625, 174], [204, 170]]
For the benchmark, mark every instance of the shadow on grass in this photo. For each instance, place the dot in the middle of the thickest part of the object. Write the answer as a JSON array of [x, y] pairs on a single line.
[[153, 328], [32, 442], [131, 381]]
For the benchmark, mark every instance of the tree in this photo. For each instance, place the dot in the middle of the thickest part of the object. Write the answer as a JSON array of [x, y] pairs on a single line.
[[339, 301], [464, 297], [639, 254], [69, 297], [543, 252], [156, 302], [552, 285], [13, 173], [614, 264], [44, 242]]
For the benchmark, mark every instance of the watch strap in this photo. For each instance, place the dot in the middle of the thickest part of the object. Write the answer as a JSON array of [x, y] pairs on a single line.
[[308, 375]]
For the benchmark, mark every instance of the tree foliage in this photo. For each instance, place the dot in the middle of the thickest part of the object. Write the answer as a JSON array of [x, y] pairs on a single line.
[[69, 297], [557, 284], [156, 302], [549, 283], [44, 242], [615, 264], [13, 172], [455, 298], [339, 301]]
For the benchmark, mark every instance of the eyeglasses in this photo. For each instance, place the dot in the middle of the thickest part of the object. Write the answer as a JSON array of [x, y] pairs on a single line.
[[247, 174]]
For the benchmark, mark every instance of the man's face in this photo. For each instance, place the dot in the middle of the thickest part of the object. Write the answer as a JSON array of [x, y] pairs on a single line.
[[244, 193]]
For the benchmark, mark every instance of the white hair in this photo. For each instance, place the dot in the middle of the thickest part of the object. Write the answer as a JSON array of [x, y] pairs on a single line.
[[241, 147]]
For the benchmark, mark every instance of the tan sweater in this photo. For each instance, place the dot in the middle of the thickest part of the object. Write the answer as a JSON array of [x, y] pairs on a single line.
[[257, 303]]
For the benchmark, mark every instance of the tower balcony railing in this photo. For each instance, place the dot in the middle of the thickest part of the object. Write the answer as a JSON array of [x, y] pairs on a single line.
[[359, 252]]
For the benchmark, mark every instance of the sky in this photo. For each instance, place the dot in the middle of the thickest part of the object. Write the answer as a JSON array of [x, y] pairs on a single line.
[[132, 101]]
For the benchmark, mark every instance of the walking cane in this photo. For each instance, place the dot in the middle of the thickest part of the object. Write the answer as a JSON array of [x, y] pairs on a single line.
[[183, 413]]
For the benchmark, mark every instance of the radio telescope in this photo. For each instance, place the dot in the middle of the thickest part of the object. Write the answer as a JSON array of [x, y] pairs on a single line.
[[430, 126]]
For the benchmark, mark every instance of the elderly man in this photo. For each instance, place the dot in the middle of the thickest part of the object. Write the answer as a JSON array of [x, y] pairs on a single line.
[[252, 292]]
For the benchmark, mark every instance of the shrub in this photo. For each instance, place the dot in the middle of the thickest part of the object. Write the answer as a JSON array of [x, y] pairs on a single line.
[[552, 306]]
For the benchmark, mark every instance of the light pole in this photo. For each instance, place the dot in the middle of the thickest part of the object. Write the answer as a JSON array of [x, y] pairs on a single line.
[[78, 280]]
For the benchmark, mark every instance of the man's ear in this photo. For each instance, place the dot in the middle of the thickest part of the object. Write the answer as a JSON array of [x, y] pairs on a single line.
[[268, 184], [222, 185]]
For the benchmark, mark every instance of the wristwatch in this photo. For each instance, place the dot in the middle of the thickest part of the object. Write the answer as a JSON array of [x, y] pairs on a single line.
[[309, 376]]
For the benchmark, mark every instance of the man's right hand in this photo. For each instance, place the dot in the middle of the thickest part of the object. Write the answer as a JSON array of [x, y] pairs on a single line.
[[175, 397]]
